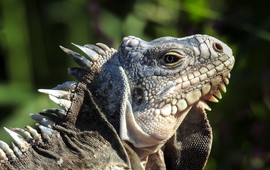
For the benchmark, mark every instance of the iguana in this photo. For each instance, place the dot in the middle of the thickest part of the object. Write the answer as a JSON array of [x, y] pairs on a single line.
[[141, 107]]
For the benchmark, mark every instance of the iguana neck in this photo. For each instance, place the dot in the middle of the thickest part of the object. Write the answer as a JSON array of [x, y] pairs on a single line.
[[110, 89]]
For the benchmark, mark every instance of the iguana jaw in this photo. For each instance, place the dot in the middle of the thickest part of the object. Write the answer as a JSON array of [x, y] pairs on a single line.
[[203, 87]]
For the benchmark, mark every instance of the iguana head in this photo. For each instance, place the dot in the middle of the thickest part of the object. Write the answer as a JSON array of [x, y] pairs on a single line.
[[146, 89], [166, 77]]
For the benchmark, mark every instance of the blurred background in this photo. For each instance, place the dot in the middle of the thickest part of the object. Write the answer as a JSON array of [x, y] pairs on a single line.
[[32, 30]]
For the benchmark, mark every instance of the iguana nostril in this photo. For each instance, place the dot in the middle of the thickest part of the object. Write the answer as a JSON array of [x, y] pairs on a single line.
[[217, 47]]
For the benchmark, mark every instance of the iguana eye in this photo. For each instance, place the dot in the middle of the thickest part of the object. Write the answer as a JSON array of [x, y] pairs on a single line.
[[171, 58], [217, 47]]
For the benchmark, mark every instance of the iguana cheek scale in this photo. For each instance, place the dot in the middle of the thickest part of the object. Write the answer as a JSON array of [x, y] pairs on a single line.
[[149, 97]]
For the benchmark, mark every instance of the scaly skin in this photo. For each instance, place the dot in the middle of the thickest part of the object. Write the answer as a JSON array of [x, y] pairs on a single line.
[[142, 107]]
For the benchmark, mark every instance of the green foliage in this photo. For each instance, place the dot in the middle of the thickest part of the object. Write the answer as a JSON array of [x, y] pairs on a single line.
[[31, 31]]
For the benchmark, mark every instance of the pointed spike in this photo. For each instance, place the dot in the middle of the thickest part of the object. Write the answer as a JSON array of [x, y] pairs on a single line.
[[68, 85], [20, 141], [207, 108], [23, 132], [103, 46], [204, 105], [222, 87], [56, 93], [47, 122], [36, 117], [226, 80], [45, 136], [60, 113], [50, 116], [3, 155], [90, 53], [213, 99], [44, 121], [65, 104], [64, 49], [95, 48], [78, 73], [16, 150], [9, 152], [79, 59], [35, 134], [48, 131], [218, 94]]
